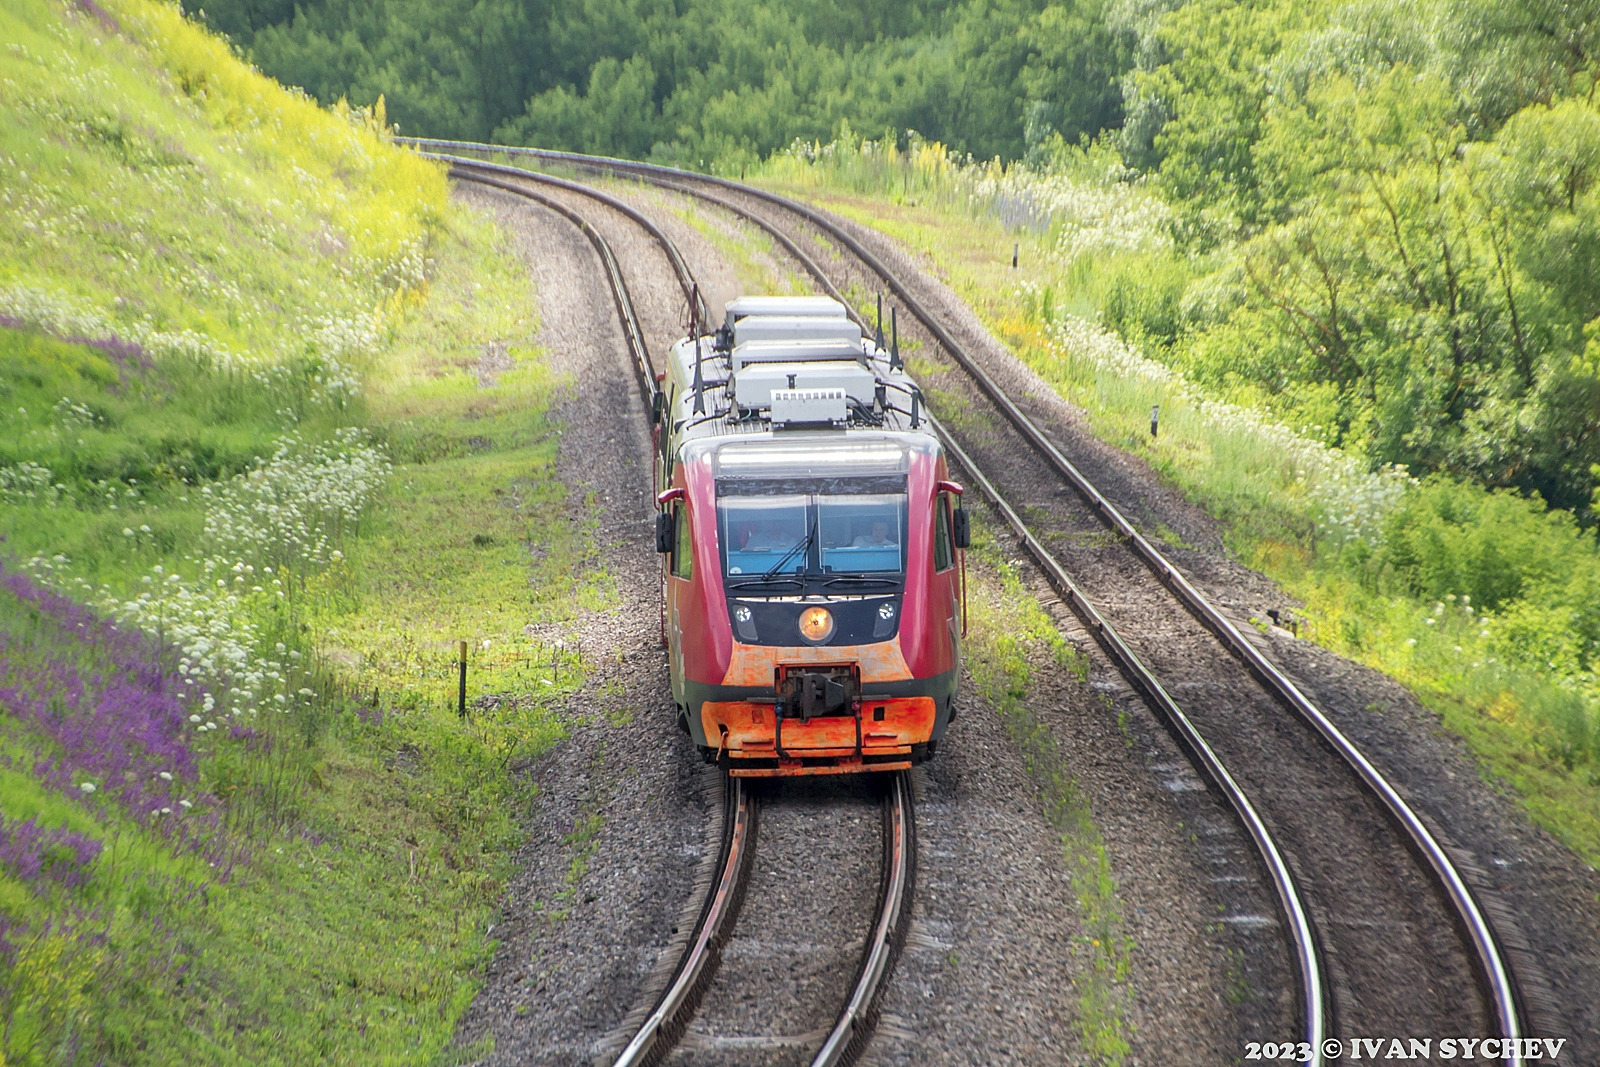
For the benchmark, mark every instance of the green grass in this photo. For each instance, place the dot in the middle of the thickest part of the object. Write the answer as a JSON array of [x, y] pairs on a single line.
[[1528, 713], [249, 266], [750, 253], [1010, 636], [154, 183]]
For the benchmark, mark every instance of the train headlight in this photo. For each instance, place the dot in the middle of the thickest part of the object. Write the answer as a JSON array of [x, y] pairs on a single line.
[[886, 610], [741, 613], [816, 625]]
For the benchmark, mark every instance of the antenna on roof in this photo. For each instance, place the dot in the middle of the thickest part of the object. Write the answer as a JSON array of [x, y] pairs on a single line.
[[894, 350], [879, 338], [699, 379]]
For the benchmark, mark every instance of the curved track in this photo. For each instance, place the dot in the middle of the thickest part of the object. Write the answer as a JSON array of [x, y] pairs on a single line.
[[665, 1023], [718, 913], [1496, 986], [1308, 966]]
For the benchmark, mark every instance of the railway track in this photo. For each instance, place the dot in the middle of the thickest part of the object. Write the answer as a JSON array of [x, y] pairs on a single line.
[[1349, 935], [696, 967]]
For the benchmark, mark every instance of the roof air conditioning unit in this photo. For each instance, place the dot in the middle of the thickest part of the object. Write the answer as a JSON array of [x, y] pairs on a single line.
[[810, 407]]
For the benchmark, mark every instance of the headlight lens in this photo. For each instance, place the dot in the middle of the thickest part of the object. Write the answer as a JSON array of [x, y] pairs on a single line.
[[744, 623], [883, 626], [816, 625]]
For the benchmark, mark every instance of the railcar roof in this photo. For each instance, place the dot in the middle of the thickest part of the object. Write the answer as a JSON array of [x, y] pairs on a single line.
[[807, 306]]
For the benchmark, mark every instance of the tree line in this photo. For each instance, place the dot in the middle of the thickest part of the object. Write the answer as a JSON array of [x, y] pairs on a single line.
[[700, 81], [1389, 220]]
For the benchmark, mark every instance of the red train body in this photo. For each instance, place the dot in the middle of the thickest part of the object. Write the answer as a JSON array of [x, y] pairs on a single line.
[[812, 544]]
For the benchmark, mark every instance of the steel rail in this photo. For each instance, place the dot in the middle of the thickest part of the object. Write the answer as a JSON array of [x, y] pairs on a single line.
[[1488, 956], [850, 1034], [619, 289], [666, 1022], [691, 292], [1307, 954]]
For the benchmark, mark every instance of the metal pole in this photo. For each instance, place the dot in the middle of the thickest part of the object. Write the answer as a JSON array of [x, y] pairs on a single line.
[[461, 693]]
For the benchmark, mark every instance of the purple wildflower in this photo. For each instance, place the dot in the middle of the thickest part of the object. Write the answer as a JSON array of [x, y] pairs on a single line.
[[122, 727], [104, 17], [34, 854]]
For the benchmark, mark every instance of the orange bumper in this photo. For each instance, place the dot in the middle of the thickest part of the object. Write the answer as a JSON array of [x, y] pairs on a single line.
[[878, 739]]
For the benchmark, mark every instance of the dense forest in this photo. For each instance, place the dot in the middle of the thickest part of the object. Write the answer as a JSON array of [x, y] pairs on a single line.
[[700, 80], [1390, 224], [1384, 213]]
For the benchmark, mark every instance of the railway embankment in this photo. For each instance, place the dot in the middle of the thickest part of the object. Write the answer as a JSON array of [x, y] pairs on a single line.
[[277, 435]]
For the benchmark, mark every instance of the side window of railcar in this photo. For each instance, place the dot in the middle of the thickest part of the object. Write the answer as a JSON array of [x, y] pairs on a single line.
[[683, 552], [944, 556]]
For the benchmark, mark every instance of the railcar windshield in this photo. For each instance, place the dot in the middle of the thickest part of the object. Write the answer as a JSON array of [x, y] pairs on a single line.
[[794, 533]]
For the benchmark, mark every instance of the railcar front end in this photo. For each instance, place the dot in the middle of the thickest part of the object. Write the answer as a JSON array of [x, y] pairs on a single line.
[[813, 577]]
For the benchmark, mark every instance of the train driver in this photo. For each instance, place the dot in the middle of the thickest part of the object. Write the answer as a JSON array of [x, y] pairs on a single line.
[[878, 538]]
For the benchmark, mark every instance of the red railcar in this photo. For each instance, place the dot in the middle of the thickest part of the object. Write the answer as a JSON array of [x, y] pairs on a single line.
[[813, 581]]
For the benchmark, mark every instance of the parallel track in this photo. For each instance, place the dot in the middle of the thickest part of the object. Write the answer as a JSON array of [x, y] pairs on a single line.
[[1489, 963], [1308, 966], [697, 965]]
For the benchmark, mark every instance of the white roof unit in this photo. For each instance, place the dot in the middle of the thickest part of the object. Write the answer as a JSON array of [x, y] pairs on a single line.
[[793, 328], [757, 386], [809, 307], [801, 351], [810, 407]]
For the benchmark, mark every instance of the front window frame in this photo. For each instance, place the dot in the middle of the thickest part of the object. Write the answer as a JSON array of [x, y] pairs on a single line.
[[851, 499]]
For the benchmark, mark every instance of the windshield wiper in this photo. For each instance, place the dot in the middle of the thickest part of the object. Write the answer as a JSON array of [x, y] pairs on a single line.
[[752, 582], [803, 546], [862, 578]]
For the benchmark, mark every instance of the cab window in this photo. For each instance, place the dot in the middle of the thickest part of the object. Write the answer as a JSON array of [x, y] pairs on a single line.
[[944, 556], [683, 551]]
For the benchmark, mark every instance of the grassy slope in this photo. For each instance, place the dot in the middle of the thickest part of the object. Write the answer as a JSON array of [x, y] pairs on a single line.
[[234, 252], [1519, 729]]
